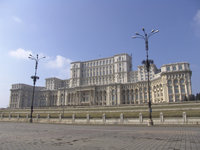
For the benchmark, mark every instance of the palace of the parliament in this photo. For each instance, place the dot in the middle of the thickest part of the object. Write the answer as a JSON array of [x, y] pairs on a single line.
[[108, 82]]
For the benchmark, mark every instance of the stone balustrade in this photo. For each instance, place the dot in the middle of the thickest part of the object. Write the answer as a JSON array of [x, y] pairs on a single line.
[[162, 120]]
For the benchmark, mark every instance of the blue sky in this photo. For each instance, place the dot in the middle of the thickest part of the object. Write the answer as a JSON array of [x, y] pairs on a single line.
[[78, 30]]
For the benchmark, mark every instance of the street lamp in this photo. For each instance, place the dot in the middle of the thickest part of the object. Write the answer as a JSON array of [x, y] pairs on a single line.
[[35, 78], [147, 63]]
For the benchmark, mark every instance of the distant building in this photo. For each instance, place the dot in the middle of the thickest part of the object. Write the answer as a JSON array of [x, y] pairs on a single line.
[[108, 81]]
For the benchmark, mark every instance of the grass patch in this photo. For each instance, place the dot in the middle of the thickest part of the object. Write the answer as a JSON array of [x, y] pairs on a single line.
[[14, 115], [6, 115], [80, 115], [131, 114], [42, 115], [22, 115], [112, 114], [67, 115], [96, 115], [193, 113], [54, 115], [129, 111]]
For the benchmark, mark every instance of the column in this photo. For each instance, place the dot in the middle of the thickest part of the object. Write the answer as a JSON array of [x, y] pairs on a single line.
[[79, 98], [66, 98], [173, 90], [179, 88], [103, 97], [165, 89], [139, 100], [134, 94], [91, 98], [59, 99], [76, 98], [94, 96], [143, 93], [47, 99], [130, 96], [125, 96], [118, 95], [108, 97]]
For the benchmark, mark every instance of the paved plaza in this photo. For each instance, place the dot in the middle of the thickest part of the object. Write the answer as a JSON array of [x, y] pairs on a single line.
[[25, 136]]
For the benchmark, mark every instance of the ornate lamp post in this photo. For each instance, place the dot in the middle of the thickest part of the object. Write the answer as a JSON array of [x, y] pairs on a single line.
[[35, 78], [147, 64]]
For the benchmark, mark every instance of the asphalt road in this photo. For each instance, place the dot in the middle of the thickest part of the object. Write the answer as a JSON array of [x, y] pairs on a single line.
[[25, 136]]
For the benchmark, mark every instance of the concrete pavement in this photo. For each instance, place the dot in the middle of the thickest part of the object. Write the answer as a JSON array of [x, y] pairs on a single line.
[[25, 136]]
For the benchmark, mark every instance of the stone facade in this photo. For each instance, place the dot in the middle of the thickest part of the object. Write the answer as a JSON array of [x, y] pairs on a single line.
[[108, 81]]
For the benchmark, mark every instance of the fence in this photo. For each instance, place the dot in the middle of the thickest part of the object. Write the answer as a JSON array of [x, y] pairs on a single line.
[[59, 118]]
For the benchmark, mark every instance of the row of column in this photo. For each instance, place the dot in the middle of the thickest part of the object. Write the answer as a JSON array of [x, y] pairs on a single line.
[[134, 96]]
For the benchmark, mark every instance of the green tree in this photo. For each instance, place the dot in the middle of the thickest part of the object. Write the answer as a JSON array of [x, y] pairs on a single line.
[[198, 96], [191, 97]]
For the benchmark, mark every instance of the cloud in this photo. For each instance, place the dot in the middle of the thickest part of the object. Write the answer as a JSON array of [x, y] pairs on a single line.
[[20, 53], [17, 19], [197, 17], [61, 65], [58, 62], [196, 23], [58, 66]]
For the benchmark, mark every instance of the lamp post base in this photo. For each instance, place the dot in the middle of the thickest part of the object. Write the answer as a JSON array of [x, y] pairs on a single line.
[[150, 122], [30, 120]]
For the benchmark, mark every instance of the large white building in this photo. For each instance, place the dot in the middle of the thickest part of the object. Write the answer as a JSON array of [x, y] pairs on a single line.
[[108, 81]]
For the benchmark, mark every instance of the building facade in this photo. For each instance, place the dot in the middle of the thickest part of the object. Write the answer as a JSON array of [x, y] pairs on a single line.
[[107, 82]]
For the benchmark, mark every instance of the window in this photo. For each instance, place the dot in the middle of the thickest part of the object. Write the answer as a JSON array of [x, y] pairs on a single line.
[[175, 81], [170, 90], [180, 67], [182, 81], [176, 89], [168, 68], [136, 95], [182, 89], [170, 98], [169, 82], [177, 98], [174, 68]]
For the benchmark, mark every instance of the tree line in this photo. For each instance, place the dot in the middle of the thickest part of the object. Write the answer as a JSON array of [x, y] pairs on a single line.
[[193, 97]]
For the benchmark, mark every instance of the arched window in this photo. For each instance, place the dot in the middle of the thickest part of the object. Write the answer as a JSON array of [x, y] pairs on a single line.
[[175, 81], [169, 82]]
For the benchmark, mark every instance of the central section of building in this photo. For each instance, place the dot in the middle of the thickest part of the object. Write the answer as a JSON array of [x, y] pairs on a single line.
[[108, 81], [102, 71]]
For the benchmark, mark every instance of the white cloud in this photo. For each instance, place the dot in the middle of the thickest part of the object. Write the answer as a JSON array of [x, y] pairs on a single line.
[[59, 62], [61, 65], [196, 23], [197, 17], [20, 53], [17, 19], [58, 66]]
